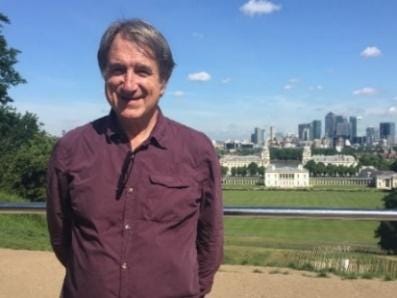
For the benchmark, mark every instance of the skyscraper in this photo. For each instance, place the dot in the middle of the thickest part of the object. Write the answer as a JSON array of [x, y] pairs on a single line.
[[387, 131], [353, 128], [342, 127], [304, 131], [372, 135], [316, 129], [258, 137], [330, 125]]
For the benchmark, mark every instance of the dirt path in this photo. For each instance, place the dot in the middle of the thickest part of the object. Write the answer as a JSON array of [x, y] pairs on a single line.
[[31, 274]]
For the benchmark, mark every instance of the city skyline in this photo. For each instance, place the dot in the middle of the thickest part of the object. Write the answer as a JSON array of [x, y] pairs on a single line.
[[249, 64]]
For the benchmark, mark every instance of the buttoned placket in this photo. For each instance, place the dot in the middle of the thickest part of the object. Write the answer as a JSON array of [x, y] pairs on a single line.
[[127, 227]]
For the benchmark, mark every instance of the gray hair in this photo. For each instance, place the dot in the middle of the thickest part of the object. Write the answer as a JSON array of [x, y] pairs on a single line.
[[144, 35]]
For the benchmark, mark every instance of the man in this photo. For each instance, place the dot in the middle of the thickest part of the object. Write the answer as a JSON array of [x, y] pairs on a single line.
[[134, 199]]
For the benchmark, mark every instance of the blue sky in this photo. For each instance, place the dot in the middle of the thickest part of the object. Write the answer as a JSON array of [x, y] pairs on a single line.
[[240, 63]]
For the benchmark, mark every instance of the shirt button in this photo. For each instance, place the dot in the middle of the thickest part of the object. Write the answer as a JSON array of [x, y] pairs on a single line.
[[127, 226], [124, 266], [131, 189]]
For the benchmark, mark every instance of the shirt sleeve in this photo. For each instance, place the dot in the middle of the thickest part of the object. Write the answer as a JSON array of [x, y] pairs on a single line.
[[210, 225], [58, 207]]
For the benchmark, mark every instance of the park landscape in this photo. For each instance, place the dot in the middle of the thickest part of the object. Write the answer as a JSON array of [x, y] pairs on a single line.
[[274, 256], [347, 248]]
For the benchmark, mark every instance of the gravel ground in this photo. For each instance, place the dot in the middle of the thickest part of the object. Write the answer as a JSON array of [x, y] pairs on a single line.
[[31, 274]]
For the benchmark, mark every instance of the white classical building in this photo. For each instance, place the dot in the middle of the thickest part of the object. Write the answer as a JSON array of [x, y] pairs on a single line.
[[386, 180], [336, 160], [286, 177], [234, 161]]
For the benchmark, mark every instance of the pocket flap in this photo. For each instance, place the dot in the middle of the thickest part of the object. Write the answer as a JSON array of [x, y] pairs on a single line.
[[169, 181]]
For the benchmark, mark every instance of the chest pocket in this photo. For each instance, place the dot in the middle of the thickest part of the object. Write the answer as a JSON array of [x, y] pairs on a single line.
[[172, 198]]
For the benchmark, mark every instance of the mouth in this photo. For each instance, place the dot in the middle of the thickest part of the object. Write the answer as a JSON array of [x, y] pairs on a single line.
[[129, 98]]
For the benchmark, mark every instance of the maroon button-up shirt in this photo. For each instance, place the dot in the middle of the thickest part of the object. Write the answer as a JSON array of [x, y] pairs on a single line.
[[146, 223]]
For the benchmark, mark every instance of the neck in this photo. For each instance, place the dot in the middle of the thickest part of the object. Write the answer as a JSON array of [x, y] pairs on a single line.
[[139, 130]]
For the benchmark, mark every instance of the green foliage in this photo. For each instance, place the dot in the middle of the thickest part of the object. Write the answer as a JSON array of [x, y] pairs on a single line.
[[387, 230], [224, 171], [252, 169], [10, 198], [285, 154], [24, 231], [24, 154], [376, 160], [393, 166], [8, 75], [248, 151], [320, 169], [324, 151]]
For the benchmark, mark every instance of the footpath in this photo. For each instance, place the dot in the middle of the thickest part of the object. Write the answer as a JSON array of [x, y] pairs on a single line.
[[31, 274]]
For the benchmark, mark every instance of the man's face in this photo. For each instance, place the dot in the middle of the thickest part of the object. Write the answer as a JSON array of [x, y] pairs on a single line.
[[132, 81]]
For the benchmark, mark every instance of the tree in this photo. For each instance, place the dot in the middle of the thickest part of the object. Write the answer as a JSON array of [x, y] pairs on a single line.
[[310, 166], [393, 166], [387, 230], [8, 58], [261, 171], [24, 171], [234, 171], [24, 152], [252, 169], [224, 170]]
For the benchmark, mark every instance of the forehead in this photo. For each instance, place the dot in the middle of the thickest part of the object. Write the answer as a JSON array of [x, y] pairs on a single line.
[[122, 47]]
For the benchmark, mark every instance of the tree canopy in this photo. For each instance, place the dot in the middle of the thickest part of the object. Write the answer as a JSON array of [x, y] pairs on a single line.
[[24, 152], [24, 146], [8, 58], [387, 230]]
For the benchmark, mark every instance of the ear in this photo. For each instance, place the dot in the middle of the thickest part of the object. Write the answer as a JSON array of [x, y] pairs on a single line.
[[163, 87]]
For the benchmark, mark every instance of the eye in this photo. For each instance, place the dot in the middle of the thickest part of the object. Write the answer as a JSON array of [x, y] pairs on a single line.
[[144, 71], [115, 70]]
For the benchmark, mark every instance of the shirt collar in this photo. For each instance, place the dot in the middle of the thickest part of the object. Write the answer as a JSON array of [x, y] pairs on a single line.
[[158, 136], [159, 133]]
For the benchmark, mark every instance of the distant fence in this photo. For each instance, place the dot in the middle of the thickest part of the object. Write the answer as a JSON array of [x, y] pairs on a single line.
[[341, 181], [254, 180], [354, 214], [313, 181]]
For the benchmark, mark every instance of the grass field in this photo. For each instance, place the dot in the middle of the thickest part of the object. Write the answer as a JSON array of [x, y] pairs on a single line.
[[324, 199], [6, 197], [24, 231], [311, 244], [297, 243]]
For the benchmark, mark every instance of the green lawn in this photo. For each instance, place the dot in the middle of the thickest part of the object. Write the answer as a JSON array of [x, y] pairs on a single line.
[[6, 197], [265, 241], [299, 233], [323, 199], [24, 231]]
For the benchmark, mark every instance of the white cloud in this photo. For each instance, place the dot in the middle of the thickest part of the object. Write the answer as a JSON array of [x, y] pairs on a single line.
[[226, 80], [365, 91], [291, 83], [178, 93], [381, 111], [198, 35], [371, 52], [392, 110], [199, 76], [318, 87], [259, 7]]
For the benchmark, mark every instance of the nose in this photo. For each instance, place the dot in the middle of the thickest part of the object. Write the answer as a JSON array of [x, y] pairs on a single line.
[[130, 82]]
